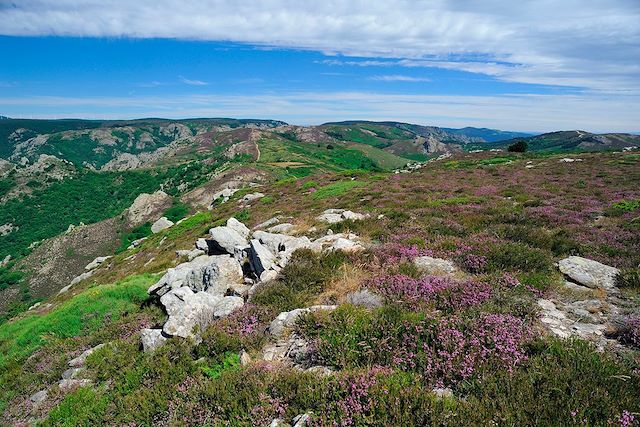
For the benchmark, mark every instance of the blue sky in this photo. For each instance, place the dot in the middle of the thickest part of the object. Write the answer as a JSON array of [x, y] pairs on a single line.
[[438, 63]]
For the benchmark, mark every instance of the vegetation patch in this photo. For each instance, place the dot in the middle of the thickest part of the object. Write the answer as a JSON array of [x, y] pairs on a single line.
[[336, 189]]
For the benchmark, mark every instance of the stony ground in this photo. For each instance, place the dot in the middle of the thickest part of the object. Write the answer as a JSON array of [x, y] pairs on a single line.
[[476, 290]]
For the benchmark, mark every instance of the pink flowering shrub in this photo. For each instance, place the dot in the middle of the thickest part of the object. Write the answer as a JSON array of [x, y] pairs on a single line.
[[268, 409], [443, 352], [442, 292]]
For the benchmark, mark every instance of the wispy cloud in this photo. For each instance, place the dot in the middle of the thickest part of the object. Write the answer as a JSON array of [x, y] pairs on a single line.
[[399, 78], [192, 82], [594, 45]]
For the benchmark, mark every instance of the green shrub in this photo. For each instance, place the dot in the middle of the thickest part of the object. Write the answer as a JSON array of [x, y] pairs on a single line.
[[517, 256], [85, 406], [9, 277], [230, 361], [300, 280], [623, 206], [267, 200], [243, 215], [309, 184], [143, 230], [176, 212], [628, 278], [518, 147]]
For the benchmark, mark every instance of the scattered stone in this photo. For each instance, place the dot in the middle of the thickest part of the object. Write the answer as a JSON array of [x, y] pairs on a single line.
[[136, 243], [34, 306], [442, 392], [5, 261], [589, 273], [187, 310], [96, 262], [71, 373], [302, 420], [80, 360], [202, 245], [39, 397], [267, 223], [365, 298], [251, 197], [330, 218], [70, 384], [353, 216], [161, 224], [224, 195], [434, 266], [278, 422], [152, 339], [245, 359]]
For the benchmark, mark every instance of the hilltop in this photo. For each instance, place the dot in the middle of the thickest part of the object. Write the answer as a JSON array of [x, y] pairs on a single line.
[[222, 272]]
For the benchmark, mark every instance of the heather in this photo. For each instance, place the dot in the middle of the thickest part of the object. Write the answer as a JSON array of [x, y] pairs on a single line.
[[475, 332]]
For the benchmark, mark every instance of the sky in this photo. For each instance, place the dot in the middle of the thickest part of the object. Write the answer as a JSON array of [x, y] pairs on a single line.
[[528, 65]]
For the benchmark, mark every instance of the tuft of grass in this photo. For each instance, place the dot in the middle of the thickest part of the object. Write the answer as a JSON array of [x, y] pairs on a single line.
[[628, 278], [336, 189]]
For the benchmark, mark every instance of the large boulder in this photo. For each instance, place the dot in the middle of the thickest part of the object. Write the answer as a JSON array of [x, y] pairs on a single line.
[[238, 227], [187, 310], [226, 240], [96, 262], [213, 274], [282, 245], [148, 206], [592, 274], [260, 258]]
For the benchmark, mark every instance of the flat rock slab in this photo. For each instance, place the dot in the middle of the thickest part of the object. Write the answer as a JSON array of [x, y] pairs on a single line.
[[589, 273]]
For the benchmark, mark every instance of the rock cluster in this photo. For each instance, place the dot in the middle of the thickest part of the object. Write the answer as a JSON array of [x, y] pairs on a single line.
[[333, 216], [222, 271], [587, 318]]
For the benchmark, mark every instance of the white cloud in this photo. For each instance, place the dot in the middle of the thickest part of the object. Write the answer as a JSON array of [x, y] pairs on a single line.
[[591, 112], [592, 44], [191, 82], [398, 78]]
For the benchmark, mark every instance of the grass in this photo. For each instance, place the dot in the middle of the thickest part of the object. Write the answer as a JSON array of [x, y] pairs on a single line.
[[80, 315], [336, 189]]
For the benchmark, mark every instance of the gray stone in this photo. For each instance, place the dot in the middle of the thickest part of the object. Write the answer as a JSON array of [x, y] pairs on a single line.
[[278, 422], [340, 241], [302, 420], [353, 216], [190, 254], [251, 197], [96, 262], [71, 373], [330, 218], [187, 310], [80, 360], [211, 273], [268, 275], [434, 266], [39, 397], [589, 273], [145, 206], [260, 258], [284, 228], [228, 305], [238, 227], [152, 339], [161, 224], [202, 245], [70, 384], [442, 392], [245, 359], [225, 239], [267, 223], [365, 298]]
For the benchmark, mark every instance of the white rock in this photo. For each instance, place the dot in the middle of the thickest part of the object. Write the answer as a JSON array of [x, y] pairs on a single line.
[[96, 262], [161, 224], [302, 420], [268, 275], [202, 245], [434, 266], [152, 339], [267, 223], [260, 258], [238, 227], [81, 277], [80, 360], [72, 373], [190, 254], [187, 310], [589, 273], [213, 274], [365, 298], [353, 216], [225, 239], [330, 218], [284, 228], [72, 383], [251, 197], [228, 305]]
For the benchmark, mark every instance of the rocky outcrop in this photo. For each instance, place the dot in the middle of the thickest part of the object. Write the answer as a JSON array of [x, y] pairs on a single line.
[[226, 239], [152, 339], [96, 262], [589, 273], [333, 216], [213, 274], [147, 207]]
